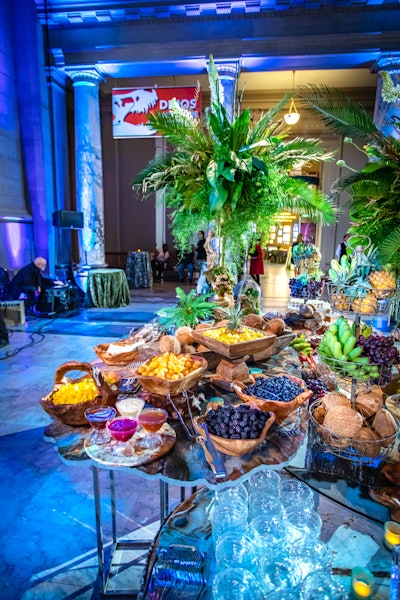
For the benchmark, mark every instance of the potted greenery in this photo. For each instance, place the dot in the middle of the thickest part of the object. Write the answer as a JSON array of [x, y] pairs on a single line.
[[233, 174], [374, 189], [189, 310]]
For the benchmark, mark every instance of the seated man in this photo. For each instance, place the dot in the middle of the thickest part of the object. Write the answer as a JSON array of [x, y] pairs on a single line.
[[186, 263], [30, 282]]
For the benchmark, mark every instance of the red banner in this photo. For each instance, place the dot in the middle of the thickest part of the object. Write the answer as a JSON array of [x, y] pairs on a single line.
[[130, 107]]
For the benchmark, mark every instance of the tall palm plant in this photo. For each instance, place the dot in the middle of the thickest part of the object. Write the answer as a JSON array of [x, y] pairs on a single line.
[[375, 189], [233, 174]]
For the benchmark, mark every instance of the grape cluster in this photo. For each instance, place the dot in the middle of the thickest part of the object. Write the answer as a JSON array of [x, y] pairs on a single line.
[[379, 349], [317, 387], [312, 289], [297, 288], [240, 423], [279, 388]]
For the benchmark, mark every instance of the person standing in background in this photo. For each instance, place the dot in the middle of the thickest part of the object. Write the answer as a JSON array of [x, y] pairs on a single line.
[[160, 261], [341, 249], [256, 263], [298, 240]]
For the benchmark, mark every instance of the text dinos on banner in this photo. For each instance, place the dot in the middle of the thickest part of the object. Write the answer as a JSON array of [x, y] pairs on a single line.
[[130, 107]]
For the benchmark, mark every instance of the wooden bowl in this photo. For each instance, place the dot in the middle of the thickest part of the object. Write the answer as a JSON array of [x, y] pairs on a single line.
[[163, 387], [74, 414], [279, 344], [122, 359], [279, 408], [233, 447], [235, 350]]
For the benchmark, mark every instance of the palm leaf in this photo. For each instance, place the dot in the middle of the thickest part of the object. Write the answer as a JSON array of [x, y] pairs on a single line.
[[262, 129], [301, 198], [339, 112], [390, 248]]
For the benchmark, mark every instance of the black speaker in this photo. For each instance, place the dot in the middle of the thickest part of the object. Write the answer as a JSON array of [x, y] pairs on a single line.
[[68, 219]]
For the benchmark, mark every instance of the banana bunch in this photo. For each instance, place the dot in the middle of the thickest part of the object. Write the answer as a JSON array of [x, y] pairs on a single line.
[[338, 349], [301, 345]]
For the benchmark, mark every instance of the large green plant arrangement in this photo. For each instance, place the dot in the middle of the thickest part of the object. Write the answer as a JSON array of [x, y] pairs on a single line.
[[374, 189], [232, 174], [189, 310]]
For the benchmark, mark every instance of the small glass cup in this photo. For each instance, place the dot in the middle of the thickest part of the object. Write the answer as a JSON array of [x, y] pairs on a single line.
[[268, 506], [269, 535], [129, 407], [312, 556], [282, 594], [122, 430], [152, 419], [279, 572], [296, 493], [236, 550], [239, 584], [236, 496], [264, 482], [97, 417], [226, 518], [302, 524], [323, 586]]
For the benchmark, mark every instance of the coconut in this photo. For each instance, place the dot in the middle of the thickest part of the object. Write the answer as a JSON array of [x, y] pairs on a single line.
[[184, 335]]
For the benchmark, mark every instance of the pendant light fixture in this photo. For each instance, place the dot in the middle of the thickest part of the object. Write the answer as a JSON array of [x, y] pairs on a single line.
[[292, 117]]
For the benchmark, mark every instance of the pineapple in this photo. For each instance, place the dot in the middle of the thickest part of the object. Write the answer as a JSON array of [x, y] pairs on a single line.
[[382, 283], [234, 331], [364, 305]]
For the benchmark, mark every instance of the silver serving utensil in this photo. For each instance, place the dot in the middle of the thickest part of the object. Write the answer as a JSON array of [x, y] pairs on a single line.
[[216, 457]]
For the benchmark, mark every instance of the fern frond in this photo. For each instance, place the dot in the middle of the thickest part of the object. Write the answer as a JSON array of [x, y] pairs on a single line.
[[389, 250]]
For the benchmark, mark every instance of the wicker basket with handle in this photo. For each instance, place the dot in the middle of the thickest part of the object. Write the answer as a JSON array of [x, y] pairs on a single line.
[[74, 414]]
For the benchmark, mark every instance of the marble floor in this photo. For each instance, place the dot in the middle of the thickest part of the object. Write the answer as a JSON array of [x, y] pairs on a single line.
[[47, 528]]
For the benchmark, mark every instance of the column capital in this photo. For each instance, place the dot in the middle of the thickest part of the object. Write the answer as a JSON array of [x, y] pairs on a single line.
[[57, 76], [228, 69], [84, 75], [388, 61]]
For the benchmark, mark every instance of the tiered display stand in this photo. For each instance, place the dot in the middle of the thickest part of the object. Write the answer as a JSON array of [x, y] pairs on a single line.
[[361, 451]]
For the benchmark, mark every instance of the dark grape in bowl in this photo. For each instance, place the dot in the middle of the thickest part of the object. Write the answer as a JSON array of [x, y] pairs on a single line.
[[235, 430]]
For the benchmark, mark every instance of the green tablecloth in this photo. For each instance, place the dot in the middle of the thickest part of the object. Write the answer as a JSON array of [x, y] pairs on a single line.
[[107, 288]]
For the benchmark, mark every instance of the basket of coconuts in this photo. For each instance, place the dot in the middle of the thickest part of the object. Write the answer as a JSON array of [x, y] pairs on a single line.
[[366, 431]]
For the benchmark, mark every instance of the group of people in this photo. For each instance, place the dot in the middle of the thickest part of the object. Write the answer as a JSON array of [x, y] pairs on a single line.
[[187, 262]]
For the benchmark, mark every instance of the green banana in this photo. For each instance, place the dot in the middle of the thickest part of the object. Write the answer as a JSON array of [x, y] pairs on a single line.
[[349, 345], [337, 350], [345, 336], [353, 354], [362, 360]]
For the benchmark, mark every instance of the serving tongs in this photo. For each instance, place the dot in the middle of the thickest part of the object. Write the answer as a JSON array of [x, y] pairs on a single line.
[[212, 455]]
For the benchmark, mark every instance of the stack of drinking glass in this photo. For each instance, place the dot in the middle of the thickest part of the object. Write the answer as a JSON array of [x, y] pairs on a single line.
[[266, 539]]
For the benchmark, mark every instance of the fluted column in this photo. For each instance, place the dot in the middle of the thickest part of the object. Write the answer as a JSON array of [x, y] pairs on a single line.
[[385, 111], [89, 166], [228, 76], [59, 240]]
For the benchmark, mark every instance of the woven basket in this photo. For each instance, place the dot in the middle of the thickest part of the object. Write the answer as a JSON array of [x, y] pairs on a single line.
[[344, 299], [74, 414], [279, 408], [163, 387], [119, 360], [233, 447], [351, 448]]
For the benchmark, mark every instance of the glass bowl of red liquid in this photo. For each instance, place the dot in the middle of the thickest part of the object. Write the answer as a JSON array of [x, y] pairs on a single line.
[[97, 417], [122, 430], [152, 419]]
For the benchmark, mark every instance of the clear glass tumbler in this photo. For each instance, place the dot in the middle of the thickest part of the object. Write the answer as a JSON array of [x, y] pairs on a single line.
[[236, 550], [226, 518], [296, 493], [268, 534], [235, 584], [323, 586], [267, 506], [312, 555], [233, 494], [302, 524], [278, 571], [265, 482]]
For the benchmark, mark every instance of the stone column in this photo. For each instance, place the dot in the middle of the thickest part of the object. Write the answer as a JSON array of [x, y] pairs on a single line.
[[228, 76], [59, 239], [385, 111], [89, 166]]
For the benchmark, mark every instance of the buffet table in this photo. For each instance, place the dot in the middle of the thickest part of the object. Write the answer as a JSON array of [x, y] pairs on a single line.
[[291, 446]]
